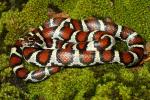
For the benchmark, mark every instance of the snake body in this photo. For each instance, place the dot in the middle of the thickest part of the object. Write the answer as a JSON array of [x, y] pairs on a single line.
[[66, 42]]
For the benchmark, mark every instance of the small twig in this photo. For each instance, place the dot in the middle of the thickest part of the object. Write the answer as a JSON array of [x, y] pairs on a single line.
[[146, 59]]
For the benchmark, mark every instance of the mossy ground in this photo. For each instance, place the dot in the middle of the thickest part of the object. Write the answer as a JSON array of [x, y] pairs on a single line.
[[103, 82]]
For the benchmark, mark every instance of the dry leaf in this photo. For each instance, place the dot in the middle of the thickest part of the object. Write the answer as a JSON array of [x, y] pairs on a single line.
[[147, 56]]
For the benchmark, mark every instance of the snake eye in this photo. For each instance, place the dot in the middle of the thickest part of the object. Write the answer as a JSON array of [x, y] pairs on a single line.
[[30, 39]]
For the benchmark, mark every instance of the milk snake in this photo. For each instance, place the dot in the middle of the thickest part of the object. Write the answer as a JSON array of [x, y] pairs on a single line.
[[68, 42]]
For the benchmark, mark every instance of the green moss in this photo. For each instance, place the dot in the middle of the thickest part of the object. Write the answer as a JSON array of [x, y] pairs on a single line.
[[68, 84], [35, 12], [108, 81], [1, 27], [10, 92], [126, 75], [92, 8], [14, 26], [124, 92], [4, 62], [2, 6], [134, 14], [104, 92]]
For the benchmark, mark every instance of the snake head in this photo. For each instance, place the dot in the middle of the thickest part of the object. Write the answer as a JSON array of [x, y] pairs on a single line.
[[31, 41]]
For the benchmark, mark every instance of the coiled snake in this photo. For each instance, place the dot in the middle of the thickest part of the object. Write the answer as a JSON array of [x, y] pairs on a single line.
[[69, 42]]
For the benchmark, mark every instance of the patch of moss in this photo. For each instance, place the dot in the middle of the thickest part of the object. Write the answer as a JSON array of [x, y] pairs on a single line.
[[2, 6], [10, 92], [68, 84], [106, 81], [124, 84], [5, 71]]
